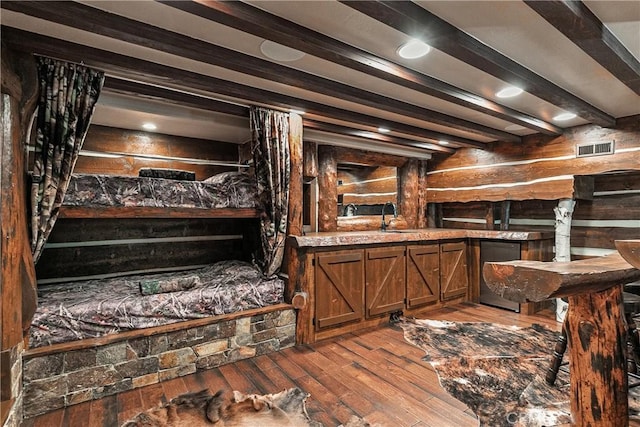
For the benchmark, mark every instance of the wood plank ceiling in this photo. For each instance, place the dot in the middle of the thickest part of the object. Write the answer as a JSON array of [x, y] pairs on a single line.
[[194, 67]]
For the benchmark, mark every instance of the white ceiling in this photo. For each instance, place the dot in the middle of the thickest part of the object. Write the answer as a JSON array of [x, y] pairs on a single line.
[[510, 27]]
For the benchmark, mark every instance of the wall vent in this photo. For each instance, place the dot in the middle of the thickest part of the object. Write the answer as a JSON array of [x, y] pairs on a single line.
[[594, 149]]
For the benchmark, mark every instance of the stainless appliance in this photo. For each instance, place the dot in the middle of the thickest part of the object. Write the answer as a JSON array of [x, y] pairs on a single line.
[[494, 251]]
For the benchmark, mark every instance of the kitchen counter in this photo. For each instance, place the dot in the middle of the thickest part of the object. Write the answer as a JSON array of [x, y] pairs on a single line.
[[350, 238]]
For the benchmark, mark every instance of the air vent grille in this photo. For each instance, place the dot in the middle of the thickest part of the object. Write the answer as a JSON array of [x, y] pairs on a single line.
[[596, 149]]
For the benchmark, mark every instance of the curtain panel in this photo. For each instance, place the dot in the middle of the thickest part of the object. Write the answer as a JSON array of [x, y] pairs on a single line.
[[67, 98], [270, 149]]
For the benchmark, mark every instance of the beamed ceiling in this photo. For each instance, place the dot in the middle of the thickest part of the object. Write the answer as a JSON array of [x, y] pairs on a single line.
[[194, 67]]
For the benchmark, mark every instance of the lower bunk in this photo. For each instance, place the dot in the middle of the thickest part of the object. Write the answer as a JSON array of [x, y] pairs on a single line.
[[95, 338]]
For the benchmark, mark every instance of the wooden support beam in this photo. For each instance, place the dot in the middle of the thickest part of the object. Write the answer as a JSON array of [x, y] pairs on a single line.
[[490, 216], [327, 188], [505, 208]]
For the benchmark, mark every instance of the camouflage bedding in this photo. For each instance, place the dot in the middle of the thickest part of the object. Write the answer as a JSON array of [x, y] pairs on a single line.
[[226, 190], [93, 308]]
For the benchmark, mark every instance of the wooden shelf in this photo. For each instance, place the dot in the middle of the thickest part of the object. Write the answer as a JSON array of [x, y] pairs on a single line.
[[154, 212]]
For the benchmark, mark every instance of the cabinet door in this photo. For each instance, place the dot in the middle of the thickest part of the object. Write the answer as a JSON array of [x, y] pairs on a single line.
[[385, 280], [423, 275], [339, 287], [454, 280]]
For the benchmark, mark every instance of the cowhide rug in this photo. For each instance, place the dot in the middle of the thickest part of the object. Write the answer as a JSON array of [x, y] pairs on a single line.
[[498, 371], [286, 408]]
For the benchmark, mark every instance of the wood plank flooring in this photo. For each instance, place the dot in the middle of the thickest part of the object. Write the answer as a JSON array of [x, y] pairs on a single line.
[[374, 374]]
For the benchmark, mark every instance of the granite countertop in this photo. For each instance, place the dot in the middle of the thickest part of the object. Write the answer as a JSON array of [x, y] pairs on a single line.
[[349, 238]]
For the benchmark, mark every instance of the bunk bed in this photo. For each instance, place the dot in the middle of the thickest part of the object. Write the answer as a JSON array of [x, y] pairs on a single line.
[[79, 309]]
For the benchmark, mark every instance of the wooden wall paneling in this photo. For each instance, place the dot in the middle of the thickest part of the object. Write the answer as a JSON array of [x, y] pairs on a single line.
[[537, 146], [422, 194], [294, 226], [619, 206], [563, 188], [623, 181], [352, 155], [368, 186], [602, 237], [408, 192], [532, 169], [107, 259], [327, 188], [310, 155], [87, 229]]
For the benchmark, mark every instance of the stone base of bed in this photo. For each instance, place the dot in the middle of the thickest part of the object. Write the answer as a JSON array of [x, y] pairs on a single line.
[[71, 373]]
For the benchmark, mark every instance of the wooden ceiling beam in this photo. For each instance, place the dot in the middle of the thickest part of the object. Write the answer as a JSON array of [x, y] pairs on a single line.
[[413, 20], [107, 24], [157, 77], [583, 28], [247, 18]]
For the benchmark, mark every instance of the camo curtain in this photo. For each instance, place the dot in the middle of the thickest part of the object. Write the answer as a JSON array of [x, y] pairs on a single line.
[[270, 148], [68, 94]]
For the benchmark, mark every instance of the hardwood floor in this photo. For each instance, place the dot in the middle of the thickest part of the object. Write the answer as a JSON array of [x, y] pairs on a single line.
[[374, 374]]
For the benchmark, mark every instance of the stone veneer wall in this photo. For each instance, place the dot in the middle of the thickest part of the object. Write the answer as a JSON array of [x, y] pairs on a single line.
[[62, 379], [13, 357]]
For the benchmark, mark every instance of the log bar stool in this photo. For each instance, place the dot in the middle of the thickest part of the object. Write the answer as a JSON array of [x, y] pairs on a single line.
[[594, 326]]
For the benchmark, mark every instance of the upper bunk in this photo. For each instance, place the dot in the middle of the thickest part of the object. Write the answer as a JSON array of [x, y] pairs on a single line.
[[128, 174]]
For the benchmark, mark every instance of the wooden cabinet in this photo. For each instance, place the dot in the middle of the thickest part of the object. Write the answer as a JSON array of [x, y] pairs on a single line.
[[436, 272], [339, 287], [364, 285], [423, 275], [454, 276], [385, 280]]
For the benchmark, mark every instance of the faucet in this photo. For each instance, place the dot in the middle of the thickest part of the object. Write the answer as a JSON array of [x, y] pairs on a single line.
[[350, 209], [395, 215]]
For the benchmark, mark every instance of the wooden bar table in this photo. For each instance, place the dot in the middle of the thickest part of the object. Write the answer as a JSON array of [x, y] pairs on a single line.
[[596, 330]]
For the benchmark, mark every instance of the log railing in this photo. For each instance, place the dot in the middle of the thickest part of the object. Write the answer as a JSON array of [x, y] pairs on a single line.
[[595, 326]]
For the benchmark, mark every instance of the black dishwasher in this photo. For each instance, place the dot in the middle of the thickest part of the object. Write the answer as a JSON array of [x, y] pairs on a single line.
[[496, 251]]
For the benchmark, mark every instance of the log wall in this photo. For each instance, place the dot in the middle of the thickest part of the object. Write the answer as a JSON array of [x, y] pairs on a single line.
[[612, 212], [116, 151], [542, 167]]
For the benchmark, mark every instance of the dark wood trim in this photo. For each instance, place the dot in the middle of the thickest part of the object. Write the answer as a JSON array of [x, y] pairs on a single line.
[[584, 29], [260, 23], [127, 335], [412, 19], [169, 77], [153, 212], [358, 133], [117, 27]]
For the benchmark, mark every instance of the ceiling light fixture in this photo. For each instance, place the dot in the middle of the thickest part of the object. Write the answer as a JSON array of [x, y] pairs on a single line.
[[383, 130], [413, 49], [443, 142], [564, 116], [514, 127], [278, 52], [509, 92], [149, 126], [298, 112]]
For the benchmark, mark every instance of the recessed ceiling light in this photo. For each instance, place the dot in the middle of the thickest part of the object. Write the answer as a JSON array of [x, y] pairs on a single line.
[[383, 130], [278, 52], [149, 126], [514, 127], [413, 49], [564, 116], [443, 142], [509, 92]]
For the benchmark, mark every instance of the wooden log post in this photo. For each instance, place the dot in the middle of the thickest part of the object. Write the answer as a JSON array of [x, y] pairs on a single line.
[[407, 191], [595, 326], [294, 226], [422, 194], [327, 188]]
